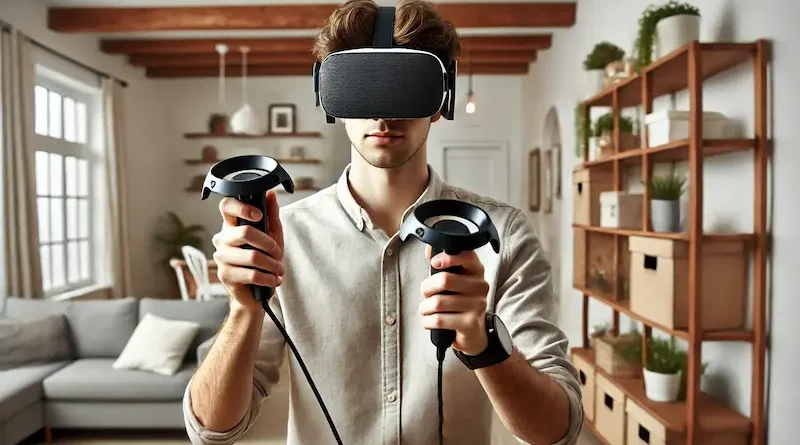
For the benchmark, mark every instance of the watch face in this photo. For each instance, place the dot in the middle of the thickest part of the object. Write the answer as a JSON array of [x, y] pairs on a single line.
[[502, 335]]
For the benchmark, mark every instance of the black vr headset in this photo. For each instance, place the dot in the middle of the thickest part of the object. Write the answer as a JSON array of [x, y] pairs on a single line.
[[384, 81]]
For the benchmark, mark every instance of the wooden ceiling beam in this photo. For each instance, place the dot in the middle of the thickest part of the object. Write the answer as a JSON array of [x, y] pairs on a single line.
[[307, 16], [234, 59], [301, 45], [304, 70]]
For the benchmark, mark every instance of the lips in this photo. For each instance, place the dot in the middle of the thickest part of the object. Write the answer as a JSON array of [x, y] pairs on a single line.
[[384, 137]]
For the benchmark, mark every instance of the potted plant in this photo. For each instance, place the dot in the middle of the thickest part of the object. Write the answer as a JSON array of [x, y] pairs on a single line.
[[173, 233], [665, 195], [667, 26], [603, 133], [582, 132], [598, 330], [595, 64], [218, 123]]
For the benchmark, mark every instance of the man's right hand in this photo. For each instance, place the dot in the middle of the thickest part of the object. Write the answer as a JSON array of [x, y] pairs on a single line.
[[238, 267]]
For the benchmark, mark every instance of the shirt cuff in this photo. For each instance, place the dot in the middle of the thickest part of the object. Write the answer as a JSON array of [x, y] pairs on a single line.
[[200, 435], [575, 411]]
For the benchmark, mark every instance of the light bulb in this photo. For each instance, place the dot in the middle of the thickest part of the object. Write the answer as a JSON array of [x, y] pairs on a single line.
[[470, 104]]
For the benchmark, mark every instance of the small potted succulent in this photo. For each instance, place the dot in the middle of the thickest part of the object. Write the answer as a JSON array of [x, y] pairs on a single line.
[[665, 195], [603, 133], [595, 65], [667, 27]]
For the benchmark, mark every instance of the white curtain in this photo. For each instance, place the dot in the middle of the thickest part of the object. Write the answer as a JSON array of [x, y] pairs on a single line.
[[116, 167], [22, 274]]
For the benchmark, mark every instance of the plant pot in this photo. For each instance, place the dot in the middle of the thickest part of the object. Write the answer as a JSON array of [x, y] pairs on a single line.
[[595, 81], [662, 387], [218, 124], [665, 215], [673, 32]]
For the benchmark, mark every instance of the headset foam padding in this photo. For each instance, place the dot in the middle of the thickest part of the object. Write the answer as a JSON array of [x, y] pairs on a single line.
[[388, 83]]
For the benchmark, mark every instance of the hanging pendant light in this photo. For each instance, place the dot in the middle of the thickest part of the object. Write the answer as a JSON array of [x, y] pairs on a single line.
[[244, 120], [470, 108], [222, 49]]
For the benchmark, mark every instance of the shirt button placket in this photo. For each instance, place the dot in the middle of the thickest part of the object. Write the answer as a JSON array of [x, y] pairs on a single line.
[[391, 376]]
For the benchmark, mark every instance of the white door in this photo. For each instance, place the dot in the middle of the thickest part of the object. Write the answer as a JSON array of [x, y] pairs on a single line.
[[481, 168]]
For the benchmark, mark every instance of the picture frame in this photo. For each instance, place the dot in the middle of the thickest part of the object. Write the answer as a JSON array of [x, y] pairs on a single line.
[[282, 118], [534, 171], [547, 181]]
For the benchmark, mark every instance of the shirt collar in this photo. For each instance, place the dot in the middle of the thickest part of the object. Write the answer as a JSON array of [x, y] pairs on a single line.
[[359, 216]]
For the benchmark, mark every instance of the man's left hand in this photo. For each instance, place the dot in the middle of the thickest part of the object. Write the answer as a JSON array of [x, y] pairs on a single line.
[[463, 311]]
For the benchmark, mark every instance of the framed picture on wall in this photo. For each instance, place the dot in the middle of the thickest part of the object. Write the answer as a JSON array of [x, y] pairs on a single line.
[[282, 118], [547, 180], [534, 161]]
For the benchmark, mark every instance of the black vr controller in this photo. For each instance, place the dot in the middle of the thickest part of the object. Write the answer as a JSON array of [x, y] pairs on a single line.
[[439, 223]]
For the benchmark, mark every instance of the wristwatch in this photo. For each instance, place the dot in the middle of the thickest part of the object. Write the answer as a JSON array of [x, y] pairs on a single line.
[[500, 346]]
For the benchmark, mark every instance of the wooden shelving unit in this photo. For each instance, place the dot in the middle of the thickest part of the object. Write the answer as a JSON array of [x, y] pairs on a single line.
[[299, 134], [687, 68]]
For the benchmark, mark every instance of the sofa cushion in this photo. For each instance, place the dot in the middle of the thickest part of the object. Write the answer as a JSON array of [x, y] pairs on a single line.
[[25, 308], [19, 387], [97, 380], [208, 314], [101, 328], [24, 341], [158, 345]]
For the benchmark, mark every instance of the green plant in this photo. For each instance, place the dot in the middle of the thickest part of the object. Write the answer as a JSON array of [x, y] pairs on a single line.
[[602, 54], [582, 131], [667, 187], [643, 46], [606, 123], [173, 233]]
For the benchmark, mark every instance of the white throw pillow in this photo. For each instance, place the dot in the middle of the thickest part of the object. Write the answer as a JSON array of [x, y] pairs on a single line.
[[158, 345]]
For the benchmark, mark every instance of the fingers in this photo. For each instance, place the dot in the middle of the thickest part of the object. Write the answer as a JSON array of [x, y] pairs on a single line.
[[462, 322], [451, 303], [241, 235], [231, 209], [468, 260], [461, 284], [236, 275], [274, 217], [248, 258]]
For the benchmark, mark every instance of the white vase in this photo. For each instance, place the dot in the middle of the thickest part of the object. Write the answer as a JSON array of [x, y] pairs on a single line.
[[594, 82], [673, 32], [661, 387], [665, 216]]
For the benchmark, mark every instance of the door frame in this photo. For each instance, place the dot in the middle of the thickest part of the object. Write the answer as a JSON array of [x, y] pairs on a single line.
[[503, 146]]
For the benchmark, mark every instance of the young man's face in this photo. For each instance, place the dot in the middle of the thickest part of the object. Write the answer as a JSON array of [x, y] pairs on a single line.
[[389, 143]]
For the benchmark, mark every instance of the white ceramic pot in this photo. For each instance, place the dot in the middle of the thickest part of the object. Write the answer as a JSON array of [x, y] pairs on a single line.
[[594, 82], [673, 32], [662, 387], [665, 216]]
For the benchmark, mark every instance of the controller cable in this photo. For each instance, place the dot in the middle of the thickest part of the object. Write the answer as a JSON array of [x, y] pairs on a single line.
[[440, 353]]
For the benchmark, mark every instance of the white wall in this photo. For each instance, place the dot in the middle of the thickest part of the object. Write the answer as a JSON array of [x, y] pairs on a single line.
[[146, 135], [556, 81]]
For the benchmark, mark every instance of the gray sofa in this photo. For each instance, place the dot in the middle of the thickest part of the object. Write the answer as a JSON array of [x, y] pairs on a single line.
[[83, 391]]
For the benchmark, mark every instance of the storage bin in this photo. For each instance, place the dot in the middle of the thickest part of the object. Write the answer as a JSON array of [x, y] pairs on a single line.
[[644, 429], [610, 360], [609, 411], [586, 378], [667, 126], [659, 286], [579, 258], [587, 185], [621, 210]]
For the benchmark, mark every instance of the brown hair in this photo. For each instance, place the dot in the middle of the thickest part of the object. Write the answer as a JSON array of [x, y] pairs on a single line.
[[417, 25]]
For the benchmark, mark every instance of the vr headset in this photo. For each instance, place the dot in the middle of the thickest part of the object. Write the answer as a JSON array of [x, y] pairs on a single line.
[[384, 81]]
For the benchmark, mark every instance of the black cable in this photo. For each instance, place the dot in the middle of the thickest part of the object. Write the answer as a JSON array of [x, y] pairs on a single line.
[[268, 310], [440, 352]]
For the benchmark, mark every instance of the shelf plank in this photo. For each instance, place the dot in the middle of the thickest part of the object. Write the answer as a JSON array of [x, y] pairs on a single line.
[[676, 151], [280, 160], [299, 134], [713, 416], [668, 74], [679, 236], [624, 308]]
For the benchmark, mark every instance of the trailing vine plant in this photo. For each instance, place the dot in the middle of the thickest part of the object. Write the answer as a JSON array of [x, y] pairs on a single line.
[[654, 13]]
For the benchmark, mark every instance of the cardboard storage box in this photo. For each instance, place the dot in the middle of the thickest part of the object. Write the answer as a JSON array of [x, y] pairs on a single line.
[[610, 360], [579, 258], [586, 378], [587, 185], [621, 210], [609, 411], [659, 282], [668, 126], [644, 429]]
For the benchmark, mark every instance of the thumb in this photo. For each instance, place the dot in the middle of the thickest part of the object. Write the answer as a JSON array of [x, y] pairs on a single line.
[[274, 217]]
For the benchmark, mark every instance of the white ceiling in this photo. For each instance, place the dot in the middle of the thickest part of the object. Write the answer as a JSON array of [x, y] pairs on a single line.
[[136, 3]]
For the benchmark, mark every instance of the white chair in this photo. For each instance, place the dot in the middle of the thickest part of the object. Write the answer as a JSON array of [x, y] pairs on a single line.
[[198, 265]]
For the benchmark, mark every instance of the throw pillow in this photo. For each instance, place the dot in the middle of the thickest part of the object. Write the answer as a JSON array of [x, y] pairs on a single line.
[[158, 345], [29, 340]]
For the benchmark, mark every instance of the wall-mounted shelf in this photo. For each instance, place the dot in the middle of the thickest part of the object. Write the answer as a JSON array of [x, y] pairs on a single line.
[[299, 134], [673, 152], [680, 236], [280, 160]]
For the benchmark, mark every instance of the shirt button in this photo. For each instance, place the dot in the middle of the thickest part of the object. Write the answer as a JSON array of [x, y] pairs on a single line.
[[391, 397], [389, 252], [390, 320]]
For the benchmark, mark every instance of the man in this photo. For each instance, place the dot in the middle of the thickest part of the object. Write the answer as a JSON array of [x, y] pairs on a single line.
[[359, 304]]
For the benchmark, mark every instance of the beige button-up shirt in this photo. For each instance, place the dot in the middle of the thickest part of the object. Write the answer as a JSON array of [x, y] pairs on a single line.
[[349, 301]]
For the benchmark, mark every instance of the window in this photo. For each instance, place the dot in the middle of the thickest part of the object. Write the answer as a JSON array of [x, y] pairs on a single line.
[[64, 186]]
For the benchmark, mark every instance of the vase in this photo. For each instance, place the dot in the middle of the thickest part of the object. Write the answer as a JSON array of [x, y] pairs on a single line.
[[665, 215], [595, 81], [661, 387], [676, 31]]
